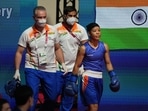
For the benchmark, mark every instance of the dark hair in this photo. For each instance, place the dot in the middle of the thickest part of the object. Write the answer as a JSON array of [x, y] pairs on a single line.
[[91, 25], [2, 101], [38, 8], [68, 9], [22, 94]]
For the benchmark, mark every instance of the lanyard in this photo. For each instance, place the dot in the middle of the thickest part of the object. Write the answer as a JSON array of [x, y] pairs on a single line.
[[46, 38]]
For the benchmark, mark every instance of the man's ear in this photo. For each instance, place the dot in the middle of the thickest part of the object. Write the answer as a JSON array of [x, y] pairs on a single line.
[[64, 17]]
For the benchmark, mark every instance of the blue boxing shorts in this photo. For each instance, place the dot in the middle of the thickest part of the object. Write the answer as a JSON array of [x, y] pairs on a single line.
[[92, 87]]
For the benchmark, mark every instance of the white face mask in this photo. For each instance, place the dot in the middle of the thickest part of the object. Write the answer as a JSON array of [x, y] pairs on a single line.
[[41, 22], [71, 20]]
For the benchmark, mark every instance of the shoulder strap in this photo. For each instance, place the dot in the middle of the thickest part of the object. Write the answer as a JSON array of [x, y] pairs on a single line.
[[70, 31]]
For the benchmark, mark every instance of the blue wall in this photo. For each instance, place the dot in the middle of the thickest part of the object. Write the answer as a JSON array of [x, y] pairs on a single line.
[[10, 29], [87, 11]]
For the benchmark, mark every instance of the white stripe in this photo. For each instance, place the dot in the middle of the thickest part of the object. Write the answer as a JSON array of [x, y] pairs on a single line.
[[113, 17], [94, 74]]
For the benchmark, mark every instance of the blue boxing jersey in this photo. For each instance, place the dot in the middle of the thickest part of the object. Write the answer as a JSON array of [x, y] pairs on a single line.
[[94, 58]]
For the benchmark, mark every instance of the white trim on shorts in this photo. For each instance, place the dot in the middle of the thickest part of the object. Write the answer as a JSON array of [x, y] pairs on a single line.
[[94, 74]]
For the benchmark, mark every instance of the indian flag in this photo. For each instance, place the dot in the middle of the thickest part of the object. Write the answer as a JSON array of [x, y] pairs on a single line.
[[124, 23]]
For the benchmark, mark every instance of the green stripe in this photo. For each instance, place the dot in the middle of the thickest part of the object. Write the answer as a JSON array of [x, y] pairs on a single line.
[[133, 38]]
